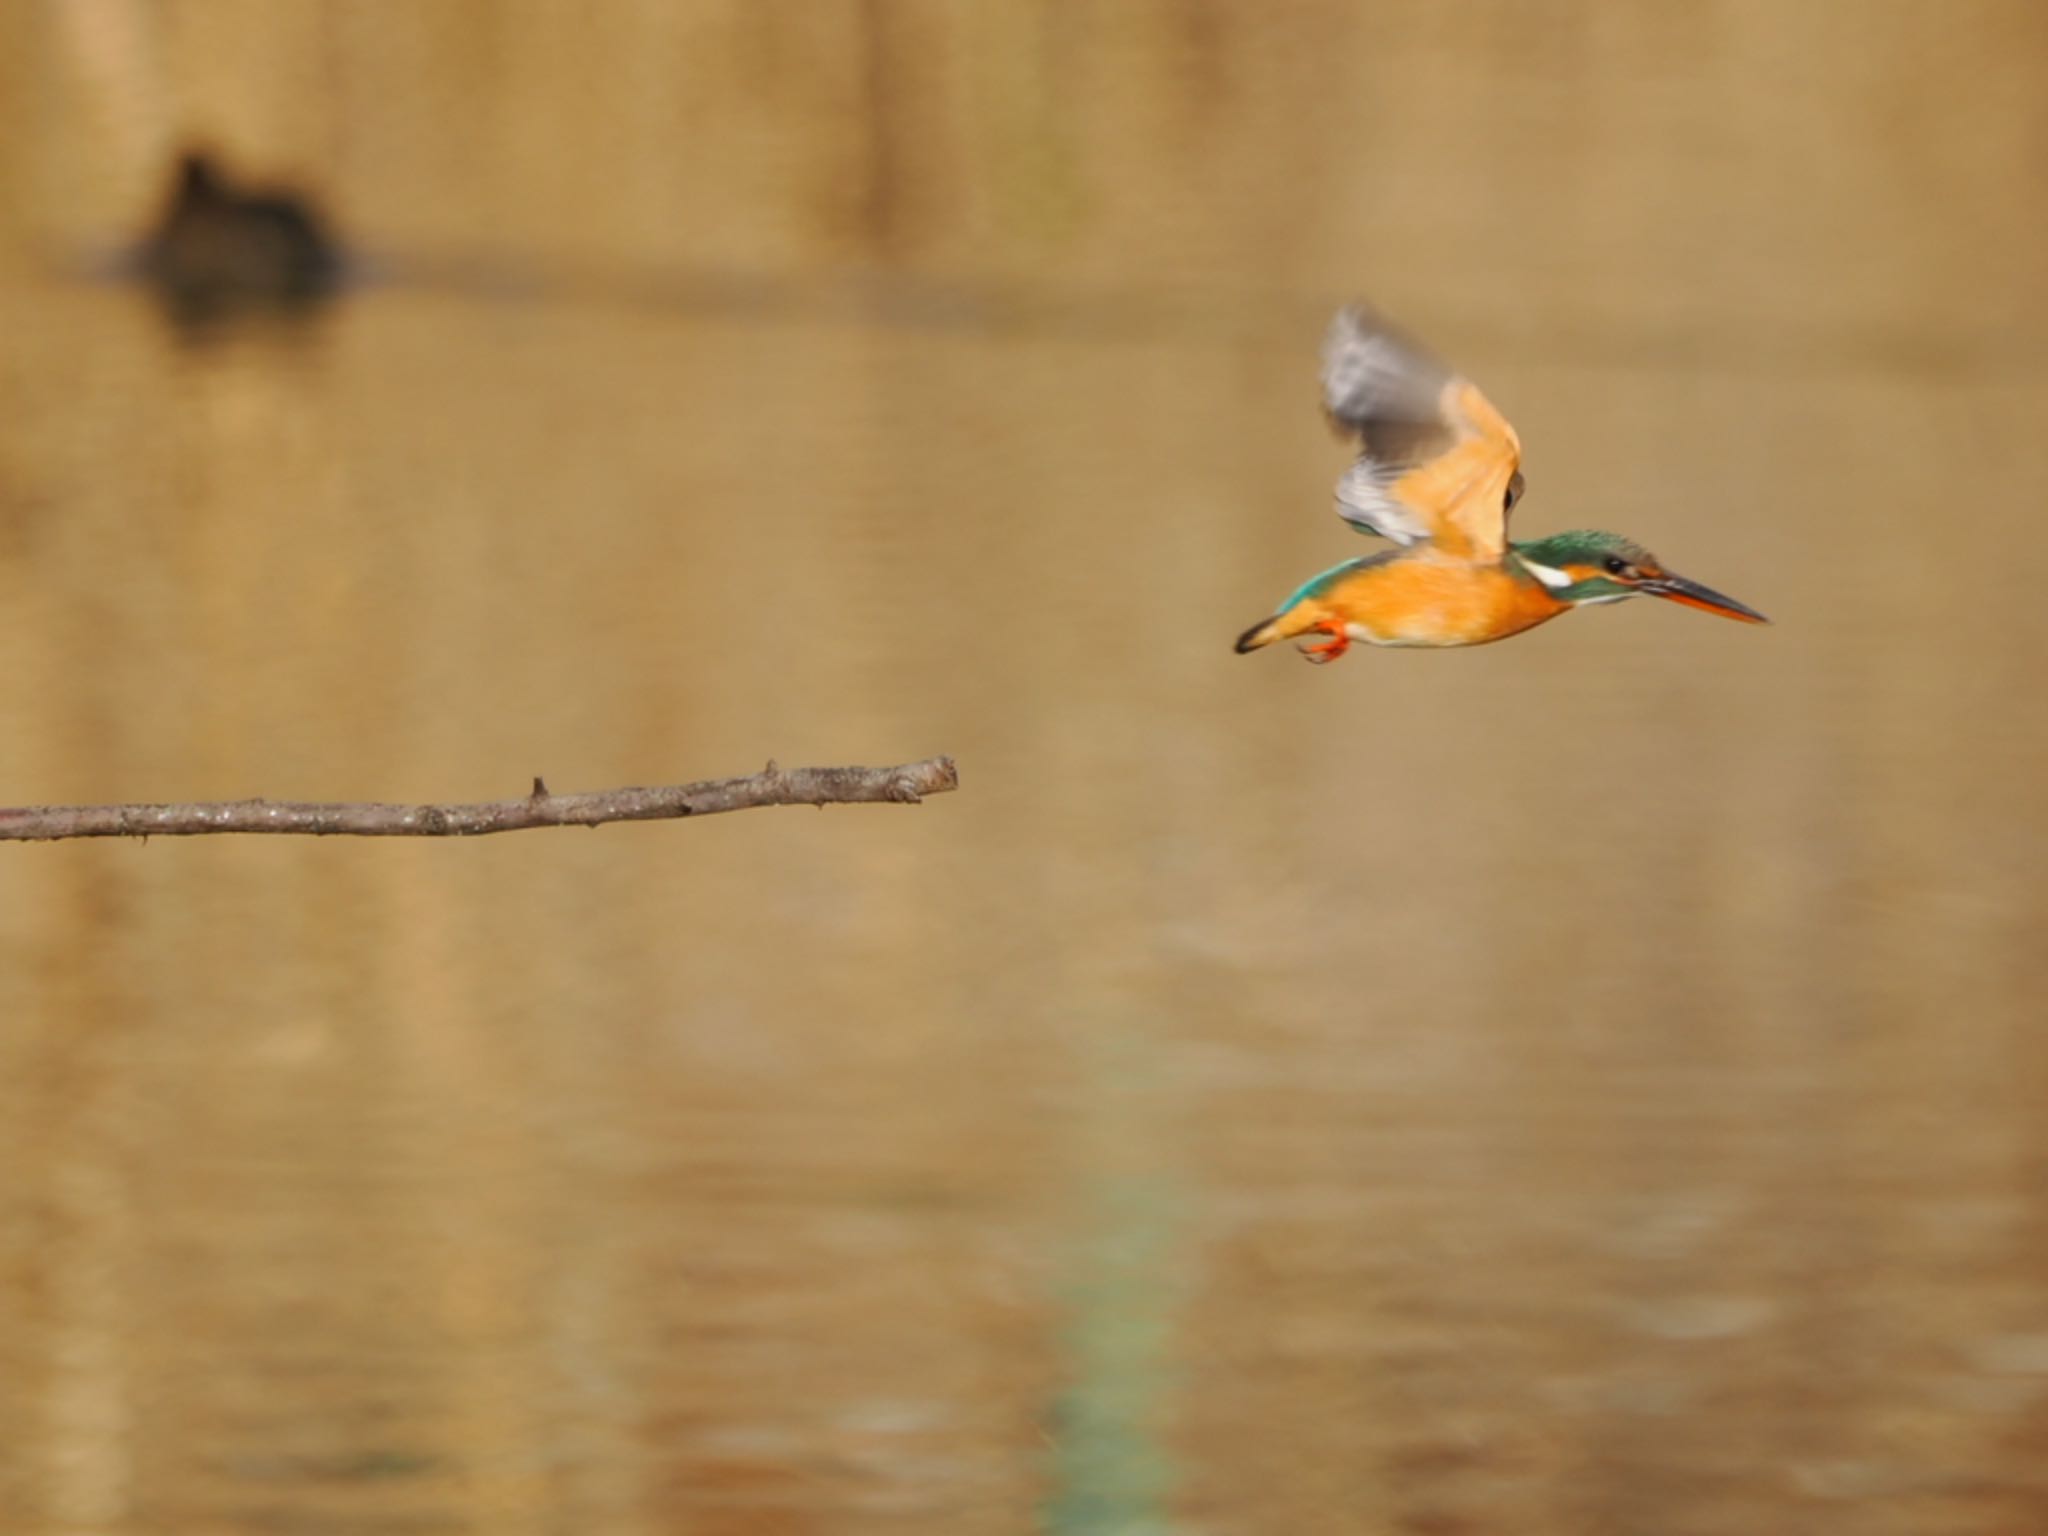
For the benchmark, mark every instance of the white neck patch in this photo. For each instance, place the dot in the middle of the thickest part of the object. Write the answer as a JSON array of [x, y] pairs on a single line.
[[1550, 576]]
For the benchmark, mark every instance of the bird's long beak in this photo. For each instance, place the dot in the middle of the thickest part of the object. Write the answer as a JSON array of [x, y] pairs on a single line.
[[1693, 595]]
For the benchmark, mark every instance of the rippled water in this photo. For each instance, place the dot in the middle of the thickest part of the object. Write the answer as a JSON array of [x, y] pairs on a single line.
[[1592, 1084]]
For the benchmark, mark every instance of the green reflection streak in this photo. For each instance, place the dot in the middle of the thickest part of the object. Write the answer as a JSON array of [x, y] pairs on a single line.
[[1111, 1473]]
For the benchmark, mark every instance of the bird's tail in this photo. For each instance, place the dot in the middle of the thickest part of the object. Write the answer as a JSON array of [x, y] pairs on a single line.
[[1281, 626]]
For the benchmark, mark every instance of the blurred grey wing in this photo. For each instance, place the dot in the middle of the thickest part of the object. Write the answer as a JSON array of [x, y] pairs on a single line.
[[1388, 392]]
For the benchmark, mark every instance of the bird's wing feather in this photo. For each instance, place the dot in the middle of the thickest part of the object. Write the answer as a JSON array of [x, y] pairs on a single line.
[[1436, 460]]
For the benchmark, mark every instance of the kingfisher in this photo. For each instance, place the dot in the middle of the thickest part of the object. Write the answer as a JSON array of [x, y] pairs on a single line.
[[1438, 472]]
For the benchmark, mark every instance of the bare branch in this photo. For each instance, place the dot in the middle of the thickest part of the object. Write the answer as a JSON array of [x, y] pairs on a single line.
[[907, 783]]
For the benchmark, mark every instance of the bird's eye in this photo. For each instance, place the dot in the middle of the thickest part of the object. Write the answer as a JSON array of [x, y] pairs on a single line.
[[1616, 566]]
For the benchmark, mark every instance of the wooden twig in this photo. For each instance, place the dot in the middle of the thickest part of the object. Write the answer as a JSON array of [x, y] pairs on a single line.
[[907, 783]]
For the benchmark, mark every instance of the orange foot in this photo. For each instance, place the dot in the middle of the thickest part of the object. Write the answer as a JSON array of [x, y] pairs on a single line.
[[1330, 649]]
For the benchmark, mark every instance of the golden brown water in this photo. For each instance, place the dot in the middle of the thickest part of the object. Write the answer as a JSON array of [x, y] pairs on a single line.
[[1597, 1084]]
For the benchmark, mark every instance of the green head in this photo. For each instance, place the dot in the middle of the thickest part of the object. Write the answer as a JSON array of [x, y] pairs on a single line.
[[1588, 566]]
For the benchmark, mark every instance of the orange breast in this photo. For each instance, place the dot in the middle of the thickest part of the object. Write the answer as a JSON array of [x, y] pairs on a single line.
[[1425, 599]]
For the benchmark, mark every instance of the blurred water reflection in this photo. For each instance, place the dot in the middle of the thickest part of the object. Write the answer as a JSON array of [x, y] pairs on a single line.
[[1589, 1084]]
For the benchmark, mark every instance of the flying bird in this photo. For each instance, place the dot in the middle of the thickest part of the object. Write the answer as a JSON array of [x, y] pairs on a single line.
[[1438, 472]]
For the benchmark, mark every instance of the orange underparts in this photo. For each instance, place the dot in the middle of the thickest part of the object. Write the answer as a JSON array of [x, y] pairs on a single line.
[[1422, 600]]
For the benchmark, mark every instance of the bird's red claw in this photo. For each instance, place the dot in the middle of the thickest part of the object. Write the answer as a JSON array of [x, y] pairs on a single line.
[[1329, 650]]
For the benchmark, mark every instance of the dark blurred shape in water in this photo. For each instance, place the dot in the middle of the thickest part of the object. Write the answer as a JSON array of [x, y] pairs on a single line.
[[218, 249]]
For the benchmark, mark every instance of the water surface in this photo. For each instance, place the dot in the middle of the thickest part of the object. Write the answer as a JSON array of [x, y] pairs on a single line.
[[1591, 1084]]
